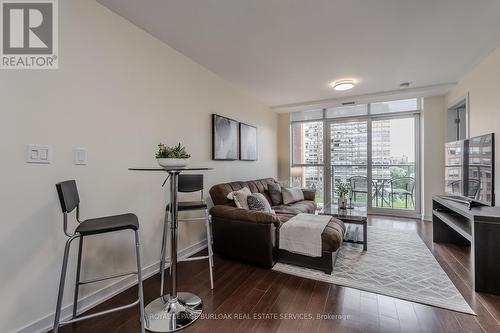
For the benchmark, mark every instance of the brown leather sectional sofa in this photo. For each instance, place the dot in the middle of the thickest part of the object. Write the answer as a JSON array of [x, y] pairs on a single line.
[[252, 236]]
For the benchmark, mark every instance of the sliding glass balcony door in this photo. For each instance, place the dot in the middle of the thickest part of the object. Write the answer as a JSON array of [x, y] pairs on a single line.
[[348, 150], [394, 156], [378, 158]]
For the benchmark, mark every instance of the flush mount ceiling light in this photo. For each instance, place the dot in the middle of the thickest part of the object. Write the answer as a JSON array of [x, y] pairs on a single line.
[[342, 85]]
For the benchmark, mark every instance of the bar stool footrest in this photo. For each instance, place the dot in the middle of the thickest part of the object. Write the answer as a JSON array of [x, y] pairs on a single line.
[[195, 258], [189, 259], [107, 278]]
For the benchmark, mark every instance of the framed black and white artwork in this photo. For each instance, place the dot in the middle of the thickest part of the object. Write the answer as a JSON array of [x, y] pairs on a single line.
[[224, 138], [248, 142]]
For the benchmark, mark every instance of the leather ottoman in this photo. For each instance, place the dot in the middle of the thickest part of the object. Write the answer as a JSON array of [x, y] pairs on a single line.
[[331, 240]]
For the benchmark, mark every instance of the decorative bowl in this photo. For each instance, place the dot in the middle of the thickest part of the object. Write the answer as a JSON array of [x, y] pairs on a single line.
[[173, 162]]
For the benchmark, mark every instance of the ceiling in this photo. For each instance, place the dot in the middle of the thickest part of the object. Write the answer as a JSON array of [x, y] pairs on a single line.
[[287, 51]]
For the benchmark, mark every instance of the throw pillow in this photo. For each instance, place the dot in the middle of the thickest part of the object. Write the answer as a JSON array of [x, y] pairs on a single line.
[[291, 195], [274, 190], [240, 197], [258, 201]]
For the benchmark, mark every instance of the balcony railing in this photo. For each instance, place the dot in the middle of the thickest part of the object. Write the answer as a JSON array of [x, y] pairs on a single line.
[[393, 185]]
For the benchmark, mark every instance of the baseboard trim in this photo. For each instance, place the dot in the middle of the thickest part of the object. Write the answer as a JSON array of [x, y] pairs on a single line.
[[45, 324], [427, 218]]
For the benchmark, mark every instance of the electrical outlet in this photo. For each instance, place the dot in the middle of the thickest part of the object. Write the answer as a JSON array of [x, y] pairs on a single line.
[[40, 154], [80, 155]]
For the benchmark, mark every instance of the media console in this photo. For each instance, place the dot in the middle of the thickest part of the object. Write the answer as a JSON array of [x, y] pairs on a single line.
[[479, 227]]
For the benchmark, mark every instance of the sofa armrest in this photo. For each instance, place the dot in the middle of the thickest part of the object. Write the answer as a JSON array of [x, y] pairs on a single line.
[[309, 194], [240, 214]]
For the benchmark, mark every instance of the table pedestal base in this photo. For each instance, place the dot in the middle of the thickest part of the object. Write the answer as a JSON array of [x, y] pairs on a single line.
[[168, 315]]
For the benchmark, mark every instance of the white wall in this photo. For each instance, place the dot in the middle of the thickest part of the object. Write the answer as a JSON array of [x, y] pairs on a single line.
[[118, 92], [484, 101], [433, 138]]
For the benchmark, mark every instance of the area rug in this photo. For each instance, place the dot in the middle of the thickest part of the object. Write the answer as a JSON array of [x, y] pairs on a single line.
[[397, 264]]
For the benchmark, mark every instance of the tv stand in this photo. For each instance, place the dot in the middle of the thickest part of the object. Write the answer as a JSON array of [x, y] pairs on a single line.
[[477, 227]]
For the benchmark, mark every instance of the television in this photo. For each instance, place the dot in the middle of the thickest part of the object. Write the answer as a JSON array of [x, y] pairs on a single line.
[[470, 169]]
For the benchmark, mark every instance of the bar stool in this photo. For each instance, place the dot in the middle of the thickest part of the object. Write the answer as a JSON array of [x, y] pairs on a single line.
[[189, 184], [69, 199]]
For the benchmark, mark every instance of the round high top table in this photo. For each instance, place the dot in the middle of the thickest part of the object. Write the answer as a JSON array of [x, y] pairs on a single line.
[[176, 310]]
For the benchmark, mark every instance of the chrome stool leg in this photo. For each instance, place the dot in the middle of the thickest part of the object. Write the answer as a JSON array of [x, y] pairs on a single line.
[[139, 279], [77, 282], [61, 283], [211, 236], [210, 255]]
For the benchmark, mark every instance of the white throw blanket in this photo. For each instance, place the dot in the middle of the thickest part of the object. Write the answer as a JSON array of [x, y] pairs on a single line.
[[302, 234]]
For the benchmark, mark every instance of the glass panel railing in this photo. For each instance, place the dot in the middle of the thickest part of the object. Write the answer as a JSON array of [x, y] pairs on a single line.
[[393, 185]]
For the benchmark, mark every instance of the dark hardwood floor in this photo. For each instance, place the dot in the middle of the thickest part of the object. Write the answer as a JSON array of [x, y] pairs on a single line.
[[311, 306]]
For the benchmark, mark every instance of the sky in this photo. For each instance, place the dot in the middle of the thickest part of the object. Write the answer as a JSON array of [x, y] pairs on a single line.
[[403, 138]]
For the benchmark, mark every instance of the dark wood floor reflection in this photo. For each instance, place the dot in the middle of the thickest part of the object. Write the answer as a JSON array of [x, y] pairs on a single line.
[[244, 292]]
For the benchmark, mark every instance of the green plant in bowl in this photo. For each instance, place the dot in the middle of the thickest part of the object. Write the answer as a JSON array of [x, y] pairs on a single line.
[[172, 157]]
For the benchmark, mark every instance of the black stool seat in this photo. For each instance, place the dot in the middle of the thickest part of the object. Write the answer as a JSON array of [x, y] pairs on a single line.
[[108, 224], [190, 205]]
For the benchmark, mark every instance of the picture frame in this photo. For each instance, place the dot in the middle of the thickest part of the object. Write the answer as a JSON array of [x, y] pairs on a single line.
[[248, 142], [224, 138]]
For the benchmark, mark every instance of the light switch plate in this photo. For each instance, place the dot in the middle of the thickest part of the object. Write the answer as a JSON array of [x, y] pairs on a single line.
[[80, 155], [40, 154]]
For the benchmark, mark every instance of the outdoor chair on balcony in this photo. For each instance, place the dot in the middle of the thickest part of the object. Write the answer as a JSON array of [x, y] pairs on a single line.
[[399, 187], [359, 184]]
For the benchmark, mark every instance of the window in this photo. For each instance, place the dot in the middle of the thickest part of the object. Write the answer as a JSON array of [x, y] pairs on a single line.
[[374, 144], [395, 106], [307, 143], [307, 156], [307, 115], [347, 111], [457, 121], [309, 177]]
